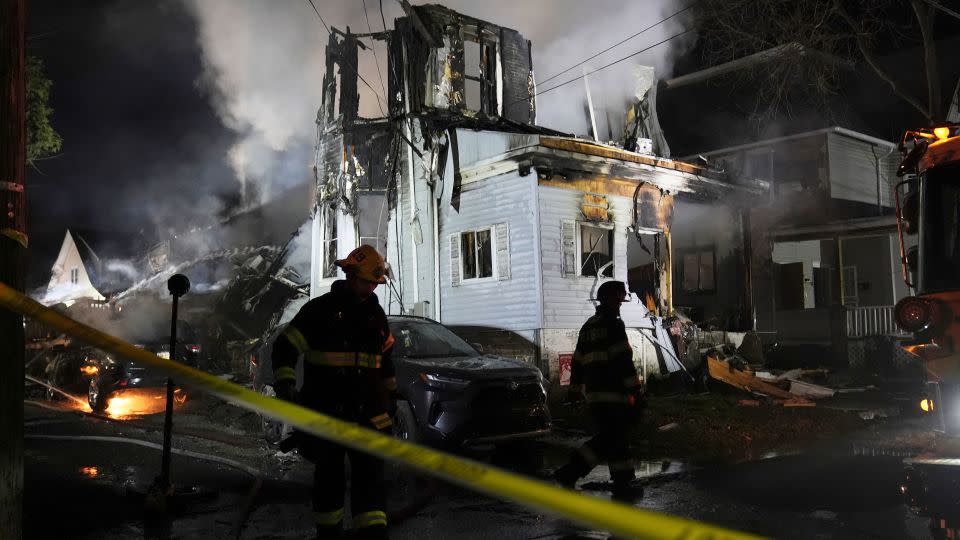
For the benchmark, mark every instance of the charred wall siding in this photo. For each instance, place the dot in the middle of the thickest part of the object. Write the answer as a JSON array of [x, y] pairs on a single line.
[[509, 304], [566, 300]]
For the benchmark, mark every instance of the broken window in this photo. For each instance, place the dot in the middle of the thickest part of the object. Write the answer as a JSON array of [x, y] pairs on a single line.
[[472, 74], [329, 269], [596, 250], [476, 254], [698, 271], [371, 220]]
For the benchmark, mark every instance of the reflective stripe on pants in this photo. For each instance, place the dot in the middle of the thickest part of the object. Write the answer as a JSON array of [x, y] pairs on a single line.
[[370, 519], [327, 519]]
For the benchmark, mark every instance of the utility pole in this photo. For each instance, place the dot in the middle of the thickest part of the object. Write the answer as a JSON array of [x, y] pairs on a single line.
[[13, 244]]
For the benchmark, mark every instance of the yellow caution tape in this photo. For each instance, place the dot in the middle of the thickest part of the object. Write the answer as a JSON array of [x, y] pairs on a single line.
[[588, 510]]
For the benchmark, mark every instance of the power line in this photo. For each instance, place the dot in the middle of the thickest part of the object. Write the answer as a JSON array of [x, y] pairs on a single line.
[[380, 99], [617, 44], [629, 56], [374, 47]]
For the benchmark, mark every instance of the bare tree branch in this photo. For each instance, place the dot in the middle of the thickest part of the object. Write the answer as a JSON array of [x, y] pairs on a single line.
[[925, 15], [875, 65]]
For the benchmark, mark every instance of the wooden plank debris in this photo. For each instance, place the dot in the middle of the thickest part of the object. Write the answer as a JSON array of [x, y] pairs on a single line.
[[722, 371], [810, 390]]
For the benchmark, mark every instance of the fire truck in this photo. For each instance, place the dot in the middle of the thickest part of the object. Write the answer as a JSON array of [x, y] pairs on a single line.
[[928, 219]]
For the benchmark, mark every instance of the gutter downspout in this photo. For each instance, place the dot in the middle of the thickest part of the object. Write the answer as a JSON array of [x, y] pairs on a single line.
[[436, 258], [879, 177], [408, 129], [543, 364]]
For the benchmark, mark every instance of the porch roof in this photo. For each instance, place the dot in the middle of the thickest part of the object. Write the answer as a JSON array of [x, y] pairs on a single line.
[[845, 228], [613, 164]]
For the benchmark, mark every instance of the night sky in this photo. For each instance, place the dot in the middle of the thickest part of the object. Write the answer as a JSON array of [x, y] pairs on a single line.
[[142, 146]]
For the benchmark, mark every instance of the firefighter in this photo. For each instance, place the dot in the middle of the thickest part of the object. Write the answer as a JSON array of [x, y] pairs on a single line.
[[348, 373], [604, 376]]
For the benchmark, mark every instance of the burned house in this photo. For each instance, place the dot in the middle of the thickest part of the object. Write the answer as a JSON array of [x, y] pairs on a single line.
[[493, 225]]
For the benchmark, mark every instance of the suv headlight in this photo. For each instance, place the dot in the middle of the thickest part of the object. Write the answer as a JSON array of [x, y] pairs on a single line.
[[164, 354], [443, 381]]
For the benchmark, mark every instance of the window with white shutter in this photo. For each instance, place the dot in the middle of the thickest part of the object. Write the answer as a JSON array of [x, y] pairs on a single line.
[[455, 260], [503, 251], [480, 254]]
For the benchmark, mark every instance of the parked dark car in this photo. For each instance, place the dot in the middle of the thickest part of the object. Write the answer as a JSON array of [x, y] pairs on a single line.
[[448, 392]]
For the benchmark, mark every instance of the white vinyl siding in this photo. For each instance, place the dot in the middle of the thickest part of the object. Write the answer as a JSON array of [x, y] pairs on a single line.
[[508, 300], [566, 298]]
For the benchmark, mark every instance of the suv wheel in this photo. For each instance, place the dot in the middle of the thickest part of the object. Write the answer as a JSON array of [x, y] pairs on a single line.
[[405, 424], [96, 396]]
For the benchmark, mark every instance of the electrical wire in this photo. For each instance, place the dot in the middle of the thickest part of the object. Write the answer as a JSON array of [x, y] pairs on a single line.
[[621, 42], [380, 99], [629, 56], [374, 47]]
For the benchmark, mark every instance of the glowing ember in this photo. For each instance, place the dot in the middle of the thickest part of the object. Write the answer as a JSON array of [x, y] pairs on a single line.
[[89, 472], [89, 370]]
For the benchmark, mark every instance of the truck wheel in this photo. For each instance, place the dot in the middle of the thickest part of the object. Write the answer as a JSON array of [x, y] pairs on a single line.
[[405, 424], [96, 396]]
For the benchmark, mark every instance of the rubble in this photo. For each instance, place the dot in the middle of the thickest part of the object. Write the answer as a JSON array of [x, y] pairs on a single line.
[[729, 372]]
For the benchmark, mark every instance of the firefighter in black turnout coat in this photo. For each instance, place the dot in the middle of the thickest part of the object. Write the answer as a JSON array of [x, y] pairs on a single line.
[[348, 373], [604, 376]]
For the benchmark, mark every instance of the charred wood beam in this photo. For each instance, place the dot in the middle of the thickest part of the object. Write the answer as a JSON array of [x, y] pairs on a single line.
[[349, 95], [418, 24]]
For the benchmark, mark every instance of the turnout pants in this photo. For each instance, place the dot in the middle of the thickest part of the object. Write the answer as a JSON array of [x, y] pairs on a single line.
[[367, 491], [610, 445]]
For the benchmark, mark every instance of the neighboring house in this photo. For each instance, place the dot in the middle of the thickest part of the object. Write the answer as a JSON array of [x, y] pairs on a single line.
[[70, 276], [491, 224], [825, 251]]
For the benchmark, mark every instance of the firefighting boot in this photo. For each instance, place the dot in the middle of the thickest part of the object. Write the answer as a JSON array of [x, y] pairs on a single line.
[[566, 476], [328, 532], [627, 491]]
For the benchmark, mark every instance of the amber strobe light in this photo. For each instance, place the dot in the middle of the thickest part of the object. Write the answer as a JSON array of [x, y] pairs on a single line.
[[941, 132]]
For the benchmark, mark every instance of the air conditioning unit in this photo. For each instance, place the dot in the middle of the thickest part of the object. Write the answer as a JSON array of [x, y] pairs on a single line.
[[422, 309]]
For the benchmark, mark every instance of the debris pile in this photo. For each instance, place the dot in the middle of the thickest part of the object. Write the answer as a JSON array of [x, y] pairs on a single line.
[[789, 389]]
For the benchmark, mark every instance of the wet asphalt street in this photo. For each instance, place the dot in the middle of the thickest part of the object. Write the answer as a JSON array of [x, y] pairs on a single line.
[[78, 487]]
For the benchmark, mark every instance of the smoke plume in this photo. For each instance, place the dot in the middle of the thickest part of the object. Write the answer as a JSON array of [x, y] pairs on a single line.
[[264, 64]]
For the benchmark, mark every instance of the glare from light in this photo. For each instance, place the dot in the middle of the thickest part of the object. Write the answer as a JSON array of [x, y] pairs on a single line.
[[941, 132]]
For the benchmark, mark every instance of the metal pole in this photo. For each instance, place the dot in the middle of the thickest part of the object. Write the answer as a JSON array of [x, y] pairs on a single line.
[[168, 413], [178, 285]]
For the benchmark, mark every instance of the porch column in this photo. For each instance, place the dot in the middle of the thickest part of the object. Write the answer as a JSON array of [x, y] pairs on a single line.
[[838, 323]]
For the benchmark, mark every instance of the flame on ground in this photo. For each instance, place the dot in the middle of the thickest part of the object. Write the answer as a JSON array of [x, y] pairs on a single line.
[[134, 402], [89, 370], [142, 401], [90, 472]]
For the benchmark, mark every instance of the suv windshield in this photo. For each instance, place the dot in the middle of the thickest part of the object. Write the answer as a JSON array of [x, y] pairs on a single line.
[[424, 339], [940, 230]]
